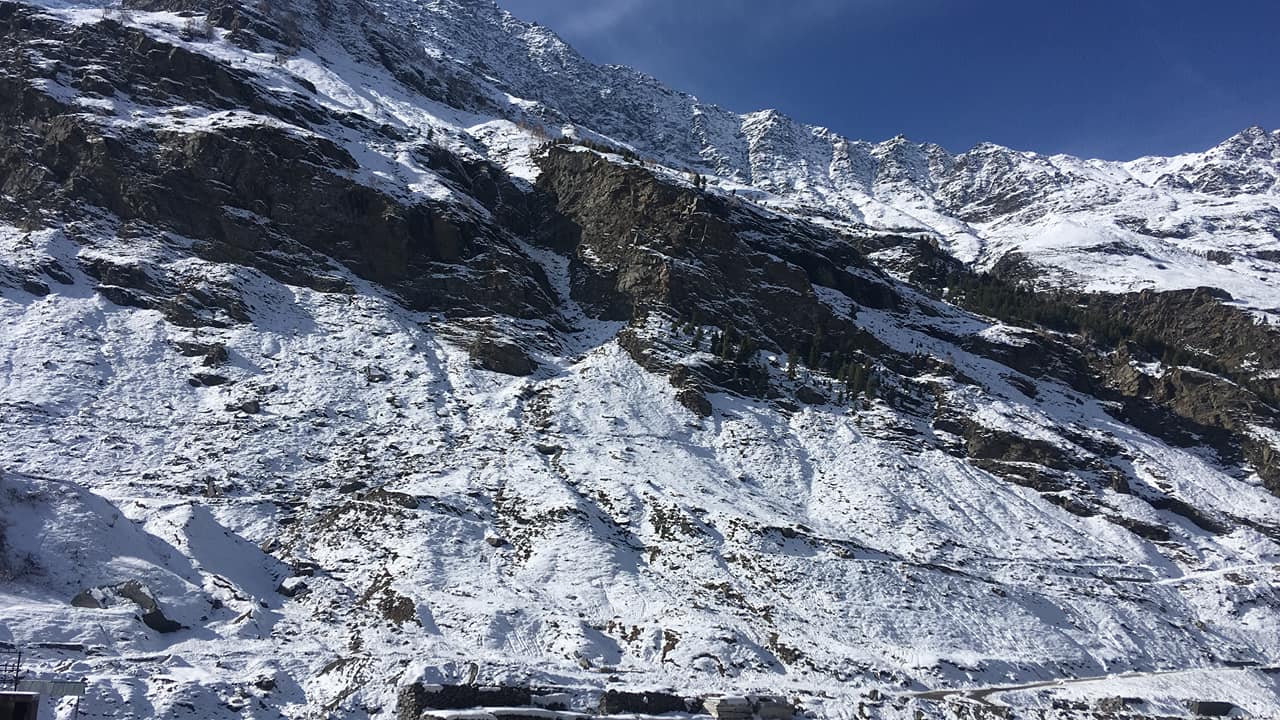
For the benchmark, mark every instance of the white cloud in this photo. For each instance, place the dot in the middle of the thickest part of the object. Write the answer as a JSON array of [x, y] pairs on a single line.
[[768, 17], [602, 16]]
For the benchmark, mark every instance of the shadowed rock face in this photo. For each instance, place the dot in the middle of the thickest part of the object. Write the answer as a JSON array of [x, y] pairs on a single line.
[[132, 590], [276, 198], [1220, 337], [639, 243], [501, 356], [1221, 376]]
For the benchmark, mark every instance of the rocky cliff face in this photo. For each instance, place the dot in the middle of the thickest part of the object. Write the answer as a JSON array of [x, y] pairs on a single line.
[[360, 345]]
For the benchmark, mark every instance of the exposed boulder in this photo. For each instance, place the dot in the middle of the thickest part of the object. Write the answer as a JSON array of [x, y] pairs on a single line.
[[92, 598], [248, 407], [548, 449], [211, 354], [35, 287], [390, 498], [207, 379], [292, 587], [134, 591], [809, 395], [689, 391], [501, 356], [695, 400], [390, 604]]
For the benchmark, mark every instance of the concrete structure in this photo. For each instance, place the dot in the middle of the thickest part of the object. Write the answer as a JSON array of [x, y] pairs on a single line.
[[770, 707], [730, 707], [1211, 708], [53, 688], [19, 705]]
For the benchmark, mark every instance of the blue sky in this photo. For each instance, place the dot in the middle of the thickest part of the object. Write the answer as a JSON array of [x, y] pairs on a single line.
[[1115, 79]]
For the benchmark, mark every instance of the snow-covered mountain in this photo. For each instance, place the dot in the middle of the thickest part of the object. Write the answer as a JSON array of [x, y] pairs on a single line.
[[325, 373], [1206, 218]]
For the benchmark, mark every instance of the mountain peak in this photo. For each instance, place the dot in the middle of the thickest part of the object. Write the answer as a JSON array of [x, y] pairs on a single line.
[[1253, 141]]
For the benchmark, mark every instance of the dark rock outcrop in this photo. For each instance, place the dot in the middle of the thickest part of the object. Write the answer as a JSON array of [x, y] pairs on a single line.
[[278, 198], [640, 244], [502, 356]]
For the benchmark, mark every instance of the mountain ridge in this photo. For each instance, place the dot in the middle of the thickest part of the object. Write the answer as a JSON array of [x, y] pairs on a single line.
[[812, 171]]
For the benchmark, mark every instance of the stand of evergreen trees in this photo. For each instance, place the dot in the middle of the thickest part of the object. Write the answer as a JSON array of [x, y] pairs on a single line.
[[990, 295], [851, 377], [731, 346]]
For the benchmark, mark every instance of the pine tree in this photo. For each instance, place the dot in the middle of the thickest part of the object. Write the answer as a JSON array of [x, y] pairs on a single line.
[[727, 345], [833, 363], [792, 359], [857, 379], [815, 351]]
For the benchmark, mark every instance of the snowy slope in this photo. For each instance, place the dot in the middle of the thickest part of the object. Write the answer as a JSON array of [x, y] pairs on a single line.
[[351, 504], [649, 548]]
